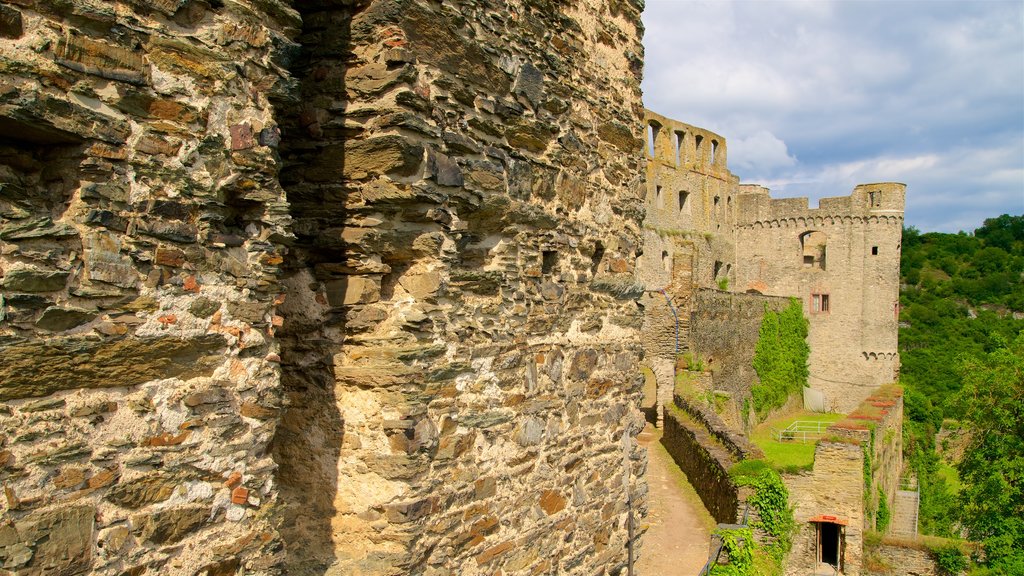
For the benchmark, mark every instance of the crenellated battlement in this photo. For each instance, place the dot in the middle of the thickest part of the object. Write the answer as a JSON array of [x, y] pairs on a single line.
[[882, 201]]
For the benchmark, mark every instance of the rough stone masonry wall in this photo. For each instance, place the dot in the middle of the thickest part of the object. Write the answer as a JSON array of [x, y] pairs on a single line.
[[444, 292], [460, 344], [141, 230], [834, 487], [726, 327]]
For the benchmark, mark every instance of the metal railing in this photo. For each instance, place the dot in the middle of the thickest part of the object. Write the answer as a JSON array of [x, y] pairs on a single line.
[[801, 431]]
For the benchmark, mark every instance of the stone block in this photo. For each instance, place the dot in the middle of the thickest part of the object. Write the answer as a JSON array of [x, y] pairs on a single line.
[[100, 59], [55, 541], [34, 280], [11, 25], [170, 525]]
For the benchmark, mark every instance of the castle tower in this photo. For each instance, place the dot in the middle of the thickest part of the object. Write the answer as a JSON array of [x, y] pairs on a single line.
[[842, 260]]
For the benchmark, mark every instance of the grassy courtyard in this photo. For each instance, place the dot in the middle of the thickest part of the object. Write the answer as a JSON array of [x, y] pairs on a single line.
[[789, 455]]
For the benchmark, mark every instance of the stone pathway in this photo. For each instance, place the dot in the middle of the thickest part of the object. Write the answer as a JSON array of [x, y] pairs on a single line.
[[676, 542]]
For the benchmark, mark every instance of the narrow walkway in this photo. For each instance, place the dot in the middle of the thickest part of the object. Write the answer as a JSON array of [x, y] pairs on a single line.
[[676, 542]]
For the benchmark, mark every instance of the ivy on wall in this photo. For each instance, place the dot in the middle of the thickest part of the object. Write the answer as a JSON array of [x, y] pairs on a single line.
[[771, 501], [780, 357]]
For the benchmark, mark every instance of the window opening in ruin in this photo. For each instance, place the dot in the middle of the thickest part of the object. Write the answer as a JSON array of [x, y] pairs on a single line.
[[680, 140], [874, 250], [658, 202], [717, 269], [683, 196], [549, 259], [714, 150], [819, 303], [812, 249], [652, 137], [697, 141], [875, 198], [666, 262]]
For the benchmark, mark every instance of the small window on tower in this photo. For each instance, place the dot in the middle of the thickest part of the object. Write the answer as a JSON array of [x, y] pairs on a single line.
[[819, 303], [874, 250], [682, 201], [657, 196]]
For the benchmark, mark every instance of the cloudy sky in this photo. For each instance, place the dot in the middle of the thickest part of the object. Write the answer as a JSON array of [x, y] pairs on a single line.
[[814, 97]]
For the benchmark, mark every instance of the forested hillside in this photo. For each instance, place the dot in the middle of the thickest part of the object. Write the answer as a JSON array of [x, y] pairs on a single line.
[[958, 292], [961, 323]]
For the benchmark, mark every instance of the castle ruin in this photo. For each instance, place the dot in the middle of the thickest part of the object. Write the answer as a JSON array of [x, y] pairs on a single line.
[[345, 287]]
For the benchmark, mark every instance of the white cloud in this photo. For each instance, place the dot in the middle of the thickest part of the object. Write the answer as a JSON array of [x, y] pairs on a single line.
[[759, 153], [814, 97]]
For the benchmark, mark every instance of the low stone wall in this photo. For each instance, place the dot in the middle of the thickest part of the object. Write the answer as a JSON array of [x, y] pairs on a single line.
[[737, 444], [705, 462], [892, 560]]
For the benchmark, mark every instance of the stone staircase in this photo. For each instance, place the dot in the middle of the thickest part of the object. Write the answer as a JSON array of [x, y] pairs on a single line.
[[904, 513]]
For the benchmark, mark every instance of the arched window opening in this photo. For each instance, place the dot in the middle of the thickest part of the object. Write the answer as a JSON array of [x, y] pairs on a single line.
[[680, 141], [697, 141], [683, 197], [812, 249], [658, 201], [652, 137], [666, 261], [714, 150]]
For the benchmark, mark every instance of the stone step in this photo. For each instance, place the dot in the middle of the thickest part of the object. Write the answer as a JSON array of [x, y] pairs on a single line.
[[904, 513]]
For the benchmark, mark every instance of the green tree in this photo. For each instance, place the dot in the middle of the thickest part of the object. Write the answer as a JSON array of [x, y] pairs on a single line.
[[992, 470]]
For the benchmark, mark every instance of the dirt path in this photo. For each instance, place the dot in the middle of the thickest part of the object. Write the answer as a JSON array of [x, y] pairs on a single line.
[[676, 542]]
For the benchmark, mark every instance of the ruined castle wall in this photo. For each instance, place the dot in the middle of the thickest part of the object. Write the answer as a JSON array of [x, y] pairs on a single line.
[[688, 233], [141, 230], [419, 226], [853, 344], [835, 487], [705, 462], [690, 203], [724, 332], [469, 190]]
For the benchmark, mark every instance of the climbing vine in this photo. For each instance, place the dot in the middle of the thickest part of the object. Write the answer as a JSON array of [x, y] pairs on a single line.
[[869, 450], [738, 544], [883, 515], [771, 500], [780, 357]]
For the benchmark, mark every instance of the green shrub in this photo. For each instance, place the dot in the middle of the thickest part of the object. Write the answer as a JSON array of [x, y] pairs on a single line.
[[739, 545], [951, 559]]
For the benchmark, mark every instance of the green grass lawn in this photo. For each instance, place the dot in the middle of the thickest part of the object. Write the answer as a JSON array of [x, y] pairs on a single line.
[[789, 455], [950, 475]]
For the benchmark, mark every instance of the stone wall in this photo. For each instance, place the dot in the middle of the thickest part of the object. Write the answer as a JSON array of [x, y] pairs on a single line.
[[834, 487], [724, 329], [894, 560], [410, 225], [855, 263], [142, 228], [467, 218], [705, 462]]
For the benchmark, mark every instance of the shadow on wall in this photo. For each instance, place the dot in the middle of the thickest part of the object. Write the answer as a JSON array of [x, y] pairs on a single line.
[[309, 438]]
